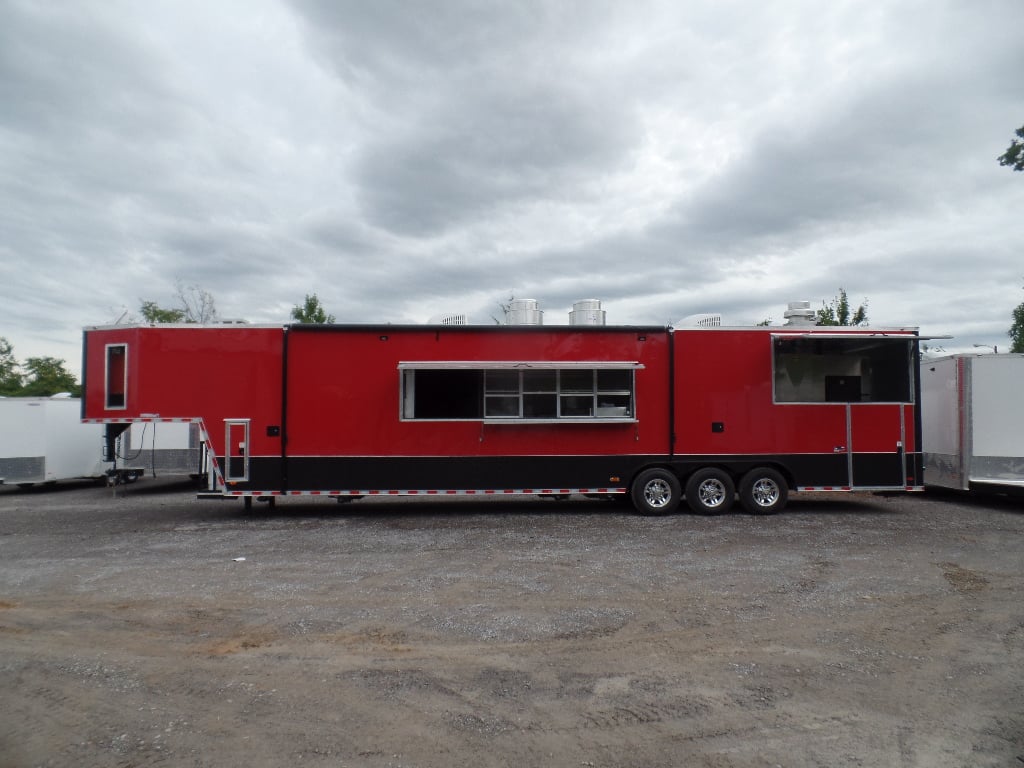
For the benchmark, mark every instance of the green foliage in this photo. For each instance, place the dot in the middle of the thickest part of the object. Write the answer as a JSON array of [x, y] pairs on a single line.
[[1016, 331], [152, 313], [10, 379], [1014, 155], [311, 311], [47, 376], [195, 305], [837, 311], [43, 376]]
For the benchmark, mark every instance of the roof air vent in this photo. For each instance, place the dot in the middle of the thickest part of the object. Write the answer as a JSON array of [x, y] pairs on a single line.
[[587, 312], [800, 313], [523, 312]]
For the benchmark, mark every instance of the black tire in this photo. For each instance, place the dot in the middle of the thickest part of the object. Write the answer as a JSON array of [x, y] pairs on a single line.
[[710, 492], [763, 491], [656, 492]]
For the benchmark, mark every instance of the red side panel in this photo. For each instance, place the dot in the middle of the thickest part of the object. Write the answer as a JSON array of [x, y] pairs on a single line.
[[725, 401], [182, 372], [344, 392], [344, 387]]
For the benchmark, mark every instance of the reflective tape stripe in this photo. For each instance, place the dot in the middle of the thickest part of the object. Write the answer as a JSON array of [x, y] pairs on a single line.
[[434, 492]]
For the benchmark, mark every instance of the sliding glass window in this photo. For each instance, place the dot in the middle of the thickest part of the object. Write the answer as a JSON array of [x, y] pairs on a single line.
[[519, 391]]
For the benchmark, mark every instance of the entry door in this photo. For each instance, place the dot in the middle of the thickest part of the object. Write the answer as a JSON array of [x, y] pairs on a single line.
[[236, 442], [877, 445]]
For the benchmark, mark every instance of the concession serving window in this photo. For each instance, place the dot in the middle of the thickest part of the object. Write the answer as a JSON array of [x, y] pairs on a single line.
[[520, 392], [843, 368]]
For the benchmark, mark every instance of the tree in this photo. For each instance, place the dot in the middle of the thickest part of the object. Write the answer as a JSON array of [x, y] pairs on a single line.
[[47, 376], [311, 311], [10, 379], [837, 311], [1016, 332], [1014, 154], [195, 305], [152, 313], [42, 377]]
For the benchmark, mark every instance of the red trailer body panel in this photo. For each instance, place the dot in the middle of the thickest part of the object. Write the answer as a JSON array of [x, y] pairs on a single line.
[[839, 405], [352, 410], [725, 378], [204, 375], [349, 382]]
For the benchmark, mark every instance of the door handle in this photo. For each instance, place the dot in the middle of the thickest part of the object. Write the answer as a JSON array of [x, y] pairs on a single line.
[[839, 449]]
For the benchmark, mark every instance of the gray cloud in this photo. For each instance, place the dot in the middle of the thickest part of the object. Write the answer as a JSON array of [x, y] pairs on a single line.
[[406, 160], [453, 134], [524, 144]]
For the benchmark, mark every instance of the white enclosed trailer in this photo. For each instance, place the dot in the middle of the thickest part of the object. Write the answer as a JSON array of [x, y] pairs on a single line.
[[973, 422], [42, 440], [159, 448]]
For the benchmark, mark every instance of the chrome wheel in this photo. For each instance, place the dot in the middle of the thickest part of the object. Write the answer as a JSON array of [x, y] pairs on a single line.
[[763, 491], [710, 491], [656, 492]]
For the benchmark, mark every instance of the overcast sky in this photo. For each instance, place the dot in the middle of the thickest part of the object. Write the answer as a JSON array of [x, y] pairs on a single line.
[[405, 160]]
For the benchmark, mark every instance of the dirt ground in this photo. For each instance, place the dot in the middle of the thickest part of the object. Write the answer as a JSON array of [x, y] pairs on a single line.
[[850, 630]]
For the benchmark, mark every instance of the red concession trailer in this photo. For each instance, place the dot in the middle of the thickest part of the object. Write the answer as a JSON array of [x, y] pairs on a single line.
[[653, 413]]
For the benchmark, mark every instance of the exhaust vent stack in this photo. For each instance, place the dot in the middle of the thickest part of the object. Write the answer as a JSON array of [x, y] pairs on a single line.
[[523, 312], [587, 312], [800, 313]]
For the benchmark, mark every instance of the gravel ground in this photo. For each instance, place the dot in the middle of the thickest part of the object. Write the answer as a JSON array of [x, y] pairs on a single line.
[[148, 628]]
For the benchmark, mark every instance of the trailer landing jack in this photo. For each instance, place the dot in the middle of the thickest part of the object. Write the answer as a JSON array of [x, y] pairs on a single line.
[[124, 475]]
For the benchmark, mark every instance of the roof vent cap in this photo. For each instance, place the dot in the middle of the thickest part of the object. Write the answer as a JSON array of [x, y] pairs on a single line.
[[523, 312], [800, 313], [587, 312]]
